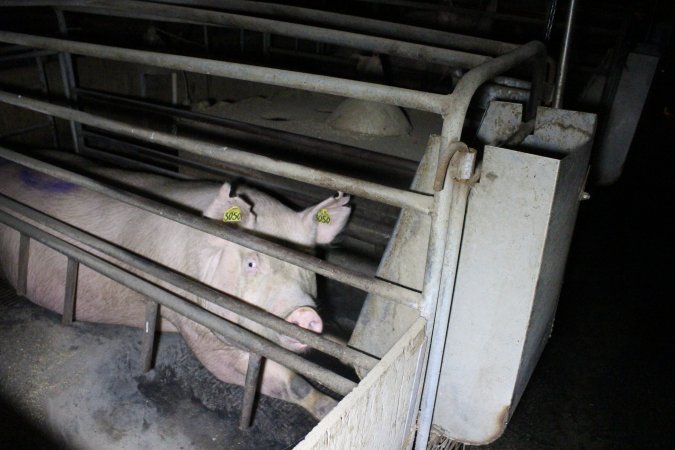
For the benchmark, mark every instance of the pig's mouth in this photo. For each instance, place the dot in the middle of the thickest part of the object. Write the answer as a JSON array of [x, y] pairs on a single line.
[[304, 317], [293, 344]]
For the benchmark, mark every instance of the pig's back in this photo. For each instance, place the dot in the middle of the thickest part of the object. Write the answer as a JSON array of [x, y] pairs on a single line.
[[157, 238]]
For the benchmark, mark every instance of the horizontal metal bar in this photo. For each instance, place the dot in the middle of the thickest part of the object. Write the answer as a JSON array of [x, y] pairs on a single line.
[[361, 24], [307, 143], [408, 98], [366, 189], [180, 14], [232, 332]]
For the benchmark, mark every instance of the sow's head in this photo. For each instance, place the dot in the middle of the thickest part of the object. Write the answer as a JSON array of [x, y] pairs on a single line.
[[283, 289]]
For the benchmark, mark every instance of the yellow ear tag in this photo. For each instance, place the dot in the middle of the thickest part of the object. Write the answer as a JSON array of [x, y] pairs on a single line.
[[323, 216], [232, 215]]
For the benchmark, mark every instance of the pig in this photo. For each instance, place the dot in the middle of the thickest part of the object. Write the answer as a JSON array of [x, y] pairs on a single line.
[[282, 289]]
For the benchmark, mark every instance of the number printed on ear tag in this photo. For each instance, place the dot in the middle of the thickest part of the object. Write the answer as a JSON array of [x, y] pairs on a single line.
[[232, 215], [323, 216]]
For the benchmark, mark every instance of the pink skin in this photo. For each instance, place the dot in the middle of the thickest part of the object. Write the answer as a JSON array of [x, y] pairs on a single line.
[[304, 317]]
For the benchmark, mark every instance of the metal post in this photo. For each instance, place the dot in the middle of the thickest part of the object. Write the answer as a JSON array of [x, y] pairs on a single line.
[[42, 73], [250, 389], [174, 88], [148, 345], [71, 292], [564, 56], [69, 82], [22, 274], [463, 169]]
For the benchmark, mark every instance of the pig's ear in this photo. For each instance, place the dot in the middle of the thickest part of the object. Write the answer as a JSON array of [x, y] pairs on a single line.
[[327, 218], [228, 209]]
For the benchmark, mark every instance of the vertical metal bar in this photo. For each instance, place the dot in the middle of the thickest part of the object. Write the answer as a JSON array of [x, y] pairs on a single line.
[[206, 37], [267, 42], [463, 170], [564, 56], [69, 83], [536, 89], [148, 345], [42, 73], [250, 389], [174, 88], [71, 291], [22, 274]]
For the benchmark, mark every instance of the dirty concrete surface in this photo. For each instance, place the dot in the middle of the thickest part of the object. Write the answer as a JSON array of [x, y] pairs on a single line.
[[82, 387]]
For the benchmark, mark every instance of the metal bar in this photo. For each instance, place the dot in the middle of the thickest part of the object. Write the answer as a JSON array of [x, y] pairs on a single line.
[[345, 354], [457, 103], [230, 331], [136, 164], [180, 14], [42, 73], [285, 78], [310, 145], [71, 292], [22, 273], [464, 164], [148, 344], [362, 188], [360, 24], [174, 88], [564, 56], [250, 389], [68, 80]]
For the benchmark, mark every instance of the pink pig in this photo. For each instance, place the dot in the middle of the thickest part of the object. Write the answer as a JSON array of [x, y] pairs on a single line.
[[284, 290]]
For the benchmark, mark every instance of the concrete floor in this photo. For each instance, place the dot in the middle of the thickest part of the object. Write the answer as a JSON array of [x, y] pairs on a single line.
[[81, 387]]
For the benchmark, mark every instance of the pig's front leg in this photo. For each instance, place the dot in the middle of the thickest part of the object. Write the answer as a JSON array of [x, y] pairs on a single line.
[[229, 364], [280, 382]]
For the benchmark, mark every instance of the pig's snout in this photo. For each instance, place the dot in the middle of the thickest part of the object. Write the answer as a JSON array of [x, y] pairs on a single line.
[[307, 318], [304, 317]]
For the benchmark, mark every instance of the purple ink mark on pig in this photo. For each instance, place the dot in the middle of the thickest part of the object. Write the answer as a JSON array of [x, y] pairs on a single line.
[[45, 183]]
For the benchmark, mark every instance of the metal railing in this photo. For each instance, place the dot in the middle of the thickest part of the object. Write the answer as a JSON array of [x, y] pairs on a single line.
[[447, 206]]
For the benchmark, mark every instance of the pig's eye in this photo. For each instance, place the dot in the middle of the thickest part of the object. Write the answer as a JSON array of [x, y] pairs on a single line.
[[251, 264]]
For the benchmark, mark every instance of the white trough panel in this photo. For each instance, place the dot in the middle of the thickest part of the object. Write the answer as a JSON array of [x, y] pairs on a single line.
[[518, 229], [375, 414]]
